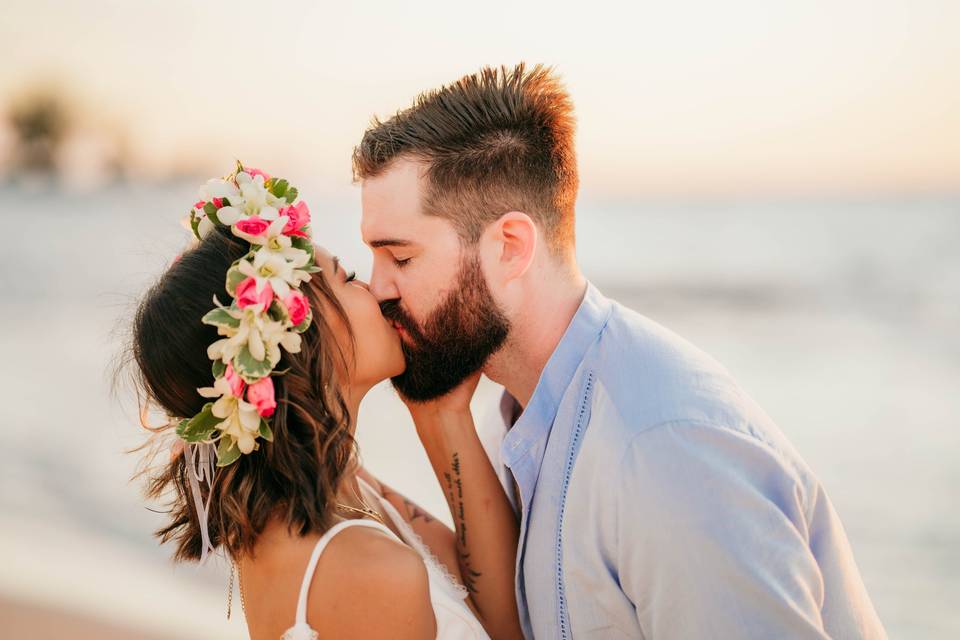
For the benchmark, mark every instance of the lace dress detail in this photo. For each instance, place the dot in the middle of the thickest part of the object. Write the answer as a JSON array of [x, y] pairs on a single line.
[[300, 631]]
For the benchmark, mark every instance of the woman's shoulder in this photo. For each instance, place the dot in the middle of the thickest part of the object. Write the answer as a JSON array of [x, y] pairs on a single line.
[[368, 584], [365, 551]]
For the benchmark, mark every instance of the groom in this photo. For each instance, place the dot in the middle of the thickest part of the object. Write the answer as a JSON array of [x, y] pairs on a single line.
[[657, 500]]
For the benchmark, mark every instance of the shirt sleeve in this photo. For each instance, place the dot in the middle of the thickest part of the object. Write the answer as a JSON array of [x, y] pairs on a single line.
[[491, 429], [712, 537]]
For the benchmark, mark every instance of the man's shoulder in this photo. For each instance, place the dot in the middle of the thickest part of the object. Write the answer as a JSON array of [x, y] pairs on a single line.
[[637, 342], [651, 375], [645, 376]]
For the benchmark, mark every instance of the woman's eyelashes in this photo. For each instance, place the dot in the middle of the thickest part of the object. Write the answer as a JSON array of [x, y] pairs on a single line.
[[351, 276]]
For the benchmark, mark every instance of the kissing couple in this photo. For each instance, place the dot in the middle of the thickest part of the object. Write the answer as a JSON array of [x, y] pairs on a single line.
[[624, 487]]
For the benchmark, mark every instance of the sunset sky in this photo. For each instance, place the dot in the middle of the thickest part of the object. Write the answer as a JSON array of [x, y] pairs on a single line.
[[672, 98]]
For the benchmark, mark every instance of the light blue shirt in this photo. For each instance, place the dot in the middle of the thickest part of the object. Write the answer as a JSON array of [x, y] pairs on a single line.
[[657, 500]]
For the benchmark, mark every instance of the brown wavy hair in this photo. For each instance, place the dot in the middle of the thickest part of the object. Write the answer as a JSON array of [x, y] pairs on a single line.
[[295, 477]]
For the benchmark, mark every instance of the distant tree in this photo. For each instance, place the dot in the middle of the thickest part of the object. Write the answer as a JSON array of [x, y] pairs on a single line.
[[40, 121]]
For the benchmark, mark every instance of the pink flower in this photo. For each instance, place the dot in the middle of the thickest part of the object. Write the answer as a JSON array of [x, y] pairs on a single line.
[[252, 226], [217, 202], [256, 172], [260, 395], [247, 294], [299, 217], [236, 382], [297, 306]]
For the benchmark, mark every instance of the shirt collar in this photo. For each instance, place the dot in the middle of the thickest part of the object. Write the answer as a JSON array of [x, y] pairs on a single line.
[[530, 431]]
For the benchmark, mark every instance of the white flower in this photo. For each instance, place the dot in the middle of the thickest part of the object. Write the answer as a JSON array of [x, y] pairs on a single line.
[[273, 239], [218, 188], [257, 200], [274, 268], [262, 335], [205, 227], [248, 197], [239, 418]]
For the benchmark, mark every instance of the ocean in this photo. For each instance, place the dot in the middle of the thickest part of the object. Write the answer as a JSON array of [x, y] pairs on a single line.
[[840, 316]]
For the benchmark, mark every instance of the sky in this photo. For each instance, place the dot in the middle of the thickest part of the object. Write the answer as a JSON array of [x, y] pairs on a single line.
[[678, 98]]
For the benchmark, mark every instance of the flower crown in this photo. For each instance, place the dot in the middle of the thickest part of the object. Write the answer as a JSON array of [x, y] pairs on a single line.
[[267, 310]]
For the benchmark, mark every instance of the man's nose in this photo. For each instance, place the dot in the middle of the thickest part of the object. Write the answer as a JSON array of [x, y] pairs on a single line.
[[381, 286]]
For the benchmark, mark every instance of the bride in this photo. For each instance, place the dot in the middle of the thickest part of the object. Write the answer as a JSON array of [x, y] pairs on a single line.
[[263, 392]]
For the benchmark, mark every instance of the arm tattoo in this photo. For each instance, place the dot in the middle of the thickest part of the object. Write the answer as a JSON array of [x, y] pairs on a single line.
[[413, 509], [467, 572]]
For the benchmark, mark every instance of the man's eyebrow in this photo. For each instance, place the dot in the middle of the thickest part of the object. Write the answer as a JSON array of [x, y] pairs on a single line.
[[390, 242]]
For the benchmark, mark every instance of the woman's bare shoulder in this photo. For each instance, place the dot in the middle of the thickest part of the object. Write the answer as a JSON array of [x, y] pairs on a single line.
[[370, 585]]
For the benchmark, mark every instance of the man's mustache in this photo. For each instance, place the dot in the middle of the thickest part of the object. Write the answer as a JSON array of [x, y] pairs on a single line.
[[392, 311]]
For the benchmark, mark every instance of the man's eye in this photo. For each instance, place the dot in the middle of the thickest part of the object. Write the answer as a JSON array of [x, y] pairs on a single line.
[[401, 263]]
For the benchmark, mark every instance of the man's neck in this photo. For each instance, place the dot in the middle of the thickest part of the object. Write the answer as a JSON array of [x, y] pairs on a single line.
[[534, 336]]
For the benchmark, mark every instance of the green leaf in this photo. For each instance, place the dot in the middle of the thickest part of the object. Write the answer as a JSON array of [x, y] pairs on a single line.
[[265, 432], [227, 452], [249, 368], [279, 312], [234, 278], [220, 317], [195, 224], [311, 268], [291, 195], [219, 368], [305, 244], [279, 187], [211, 210], [200, 427]]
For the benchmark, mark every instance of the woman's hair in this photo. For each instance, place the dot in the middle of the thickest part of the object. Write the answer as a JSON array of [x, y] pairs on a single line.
[[295, 477]]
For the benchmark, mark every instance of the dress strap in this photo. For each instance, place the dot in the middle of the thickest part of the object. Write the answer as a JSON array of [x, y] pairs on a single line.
[[315, 557]]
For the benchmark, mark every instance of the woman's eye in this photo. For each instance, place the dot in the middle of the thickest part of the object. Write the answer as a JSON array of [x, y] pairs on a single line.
[[351, 276], [402, 263]]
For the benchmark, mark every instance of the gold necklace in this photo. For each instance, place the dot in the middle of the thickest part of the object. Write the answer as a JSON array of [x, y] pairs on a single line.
[[243, 601], [365, 510]]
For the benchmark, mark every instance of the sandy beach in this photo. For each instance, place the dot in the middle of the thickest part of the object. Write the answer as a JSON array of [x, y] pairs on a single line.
[[29, 621]]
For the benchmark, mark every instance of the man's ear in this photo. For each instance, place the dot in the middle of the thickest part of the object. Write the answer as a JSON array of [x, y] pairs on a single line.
[[515, 238]]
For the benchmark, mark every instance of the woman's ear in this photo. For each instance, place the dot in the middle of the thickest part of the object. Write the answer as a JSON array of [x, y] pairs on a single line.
[[514, 240]]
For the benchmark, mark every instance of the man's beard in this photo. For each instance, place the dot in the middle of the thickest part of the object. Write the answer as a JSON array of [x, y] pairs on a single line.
[[465, 329]]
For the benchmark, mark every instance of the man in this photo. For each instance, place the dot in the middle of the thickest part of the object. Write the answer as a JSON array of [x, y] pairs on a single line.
[[656, 499]]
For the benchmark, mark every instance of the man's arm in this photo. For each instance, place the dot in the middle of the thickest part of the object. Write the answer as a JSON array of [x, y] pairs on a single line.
[[713, 537]]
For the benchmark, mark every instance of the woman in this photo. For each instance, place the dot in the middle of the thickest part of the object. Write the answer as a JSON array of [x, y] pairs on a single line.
[[322, 547]]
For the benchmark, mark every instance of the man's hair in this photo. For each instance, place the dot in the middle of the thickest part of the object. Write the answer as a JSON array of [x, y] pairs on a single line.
[[495, 141]]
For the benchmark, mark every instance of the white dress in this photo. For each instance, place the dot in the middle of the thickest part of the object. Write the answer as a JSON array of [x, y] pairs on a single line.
[[455, 621]]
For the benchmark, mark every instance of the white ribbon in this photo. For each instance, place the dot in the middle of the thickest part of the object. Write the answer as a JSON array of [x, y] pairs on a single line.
[[201, 459]]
